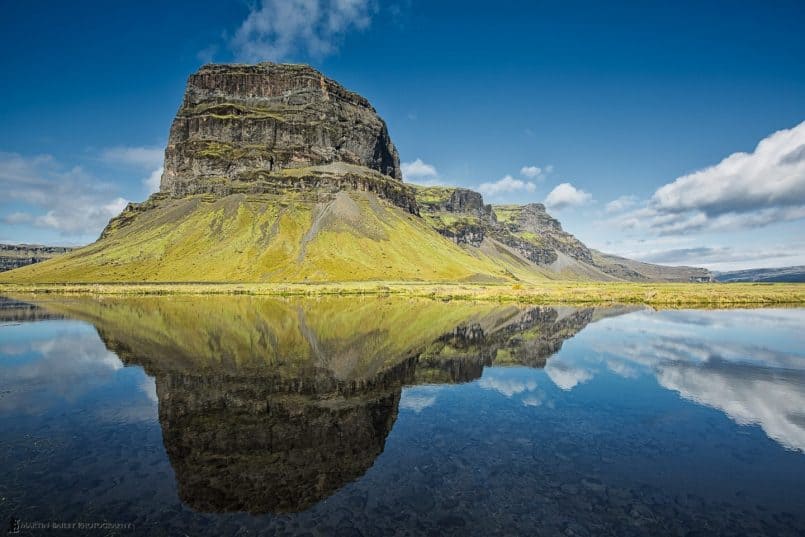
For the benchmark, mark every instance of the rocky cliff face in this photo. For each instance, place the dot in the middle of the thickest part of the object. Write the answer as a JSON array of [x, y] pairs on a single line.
[[19, 255], [461, 215], [533, 222], [244, 124]]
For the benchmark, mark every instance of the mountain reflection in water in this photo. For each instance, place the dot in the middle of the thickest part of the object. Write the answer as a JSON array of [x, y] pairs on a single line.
[[271, 406], [441, 417]]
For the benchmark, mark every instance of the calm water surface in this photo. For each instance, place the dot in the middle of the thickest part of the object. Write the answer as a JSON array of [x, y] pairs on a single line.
[[239, 415]]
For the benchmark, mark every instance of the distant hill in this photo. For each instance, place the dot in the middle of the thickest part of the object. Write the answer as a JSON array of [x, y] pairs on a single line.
[[19, 255], [629, 269], [783, 274], [275, 173]]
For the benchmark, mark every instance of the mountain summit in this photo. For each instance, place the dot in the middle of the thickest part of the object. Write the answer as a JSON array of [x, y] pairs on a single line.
[[240, 126], [275, 173]]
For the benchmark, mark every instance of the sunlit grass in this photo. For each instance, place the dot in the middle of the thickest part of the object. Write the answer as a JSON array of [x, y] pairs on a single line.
[[553, 292]]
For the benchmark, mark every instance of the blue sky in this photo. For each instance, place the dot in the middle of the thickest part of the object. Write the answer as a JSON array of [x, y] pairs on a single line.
[[578, 104]]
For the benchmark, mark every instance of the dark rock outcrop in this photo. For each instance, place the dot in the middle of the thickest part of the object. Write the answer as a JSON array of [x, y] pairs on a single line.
[[19, 255], [534, 221], [462, 216], [241, 122], [464, 200], [536, 253]]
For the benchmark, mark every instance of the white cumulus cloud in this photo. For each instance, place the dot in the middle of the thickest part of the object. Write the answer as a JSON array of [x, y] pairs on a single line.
[[535, 172], [565, 376], [744, 190], [506, 185], [566, 195], [773, 175], [278, 29], [419, 172]]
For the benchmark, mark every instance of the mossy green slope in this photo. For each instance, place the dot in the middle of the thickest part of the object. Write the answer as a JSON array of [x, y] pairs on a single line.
[[289, 237]]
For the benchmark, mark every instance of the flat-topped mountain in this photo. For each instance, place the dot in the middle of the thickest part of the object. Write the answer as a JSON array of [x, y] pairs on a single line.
[[275, 173], [240, 126]]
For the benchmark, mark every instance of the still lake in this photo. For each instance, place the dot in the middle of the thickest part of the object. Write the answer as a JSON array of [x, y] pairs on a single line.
[[388, 416]]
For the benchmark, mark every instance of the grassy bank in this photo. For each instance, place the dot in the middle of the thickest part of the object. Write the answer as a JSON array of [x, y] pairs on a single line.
[[655, 294]]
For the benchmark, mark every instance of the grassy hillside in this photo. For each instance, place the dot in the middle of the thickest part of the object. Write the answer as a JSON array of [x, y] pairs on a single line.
[[352, 236]]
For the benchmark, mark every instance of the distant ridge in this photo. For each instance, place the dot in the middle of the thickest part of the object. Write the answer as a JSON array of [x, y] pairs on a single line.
[[19, 255], [276, 173], [783, 274]]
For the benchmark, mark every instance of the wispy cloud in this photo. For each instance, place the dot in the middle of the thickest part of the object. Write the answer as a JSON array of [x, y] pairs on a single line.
[[566, 195], [52, 196], [282, 29], [419, 172], [536, 172], [727, 257], [506, 185], [621, 204], [145, 158], [688, 250]]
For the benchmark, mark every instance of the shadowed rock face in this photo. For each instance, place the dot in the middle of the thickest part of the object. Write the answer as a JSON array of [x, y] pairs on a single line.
[[240, 121]]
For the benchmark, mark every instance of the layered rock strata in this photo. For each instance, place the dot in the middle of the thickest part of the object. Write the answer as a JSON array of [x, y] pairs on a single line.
[[240, 126]]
